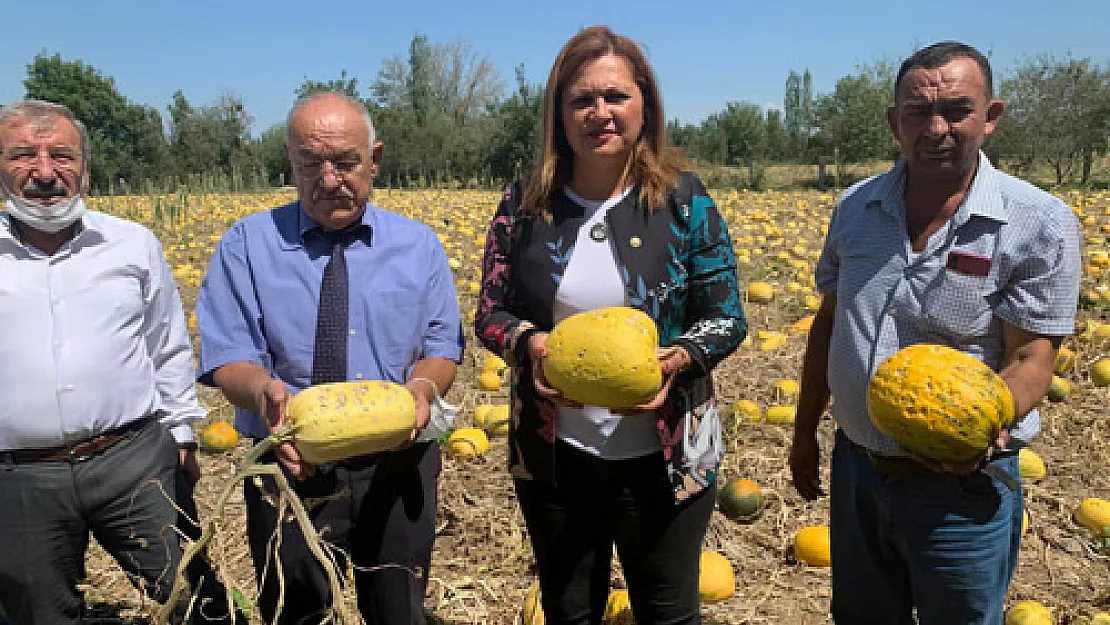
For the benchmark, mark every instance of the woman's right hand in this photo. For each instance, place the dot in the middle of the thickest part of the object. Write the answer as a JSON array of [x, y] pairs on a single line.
[[537, 351]]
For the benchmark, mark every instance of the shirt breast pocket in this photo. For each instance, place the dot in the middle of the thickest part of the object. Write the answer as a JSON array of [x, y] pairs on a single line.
[[396, 325], [958, 304]]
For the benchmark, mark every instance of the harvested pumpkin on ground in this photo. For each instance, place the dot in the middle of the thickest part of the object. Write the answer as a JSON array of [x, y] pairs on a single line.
[[493, 418], [1030, 465], [467, 443], [741, 500], [811, 546], [716, 582], [782, 415], [1094, 514], [760, 292], [939, 403], [219, 436], [1100, 372], [746, 410], [1065, 360], [489, 380], [1058, 390], [1028, 612], [605, 357]]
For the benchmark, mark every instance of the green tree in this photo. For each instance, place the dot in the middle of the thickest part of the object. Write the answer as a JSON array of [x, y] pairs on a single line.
[[1057, 113], [851, 121], [126, 140], [798, 112], [344, 84], [514, 143], [212, 139]]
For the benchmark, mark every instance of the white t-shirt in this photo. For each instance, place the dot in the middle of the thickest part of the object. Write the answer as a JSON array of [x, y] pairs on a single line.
[[592, 281]]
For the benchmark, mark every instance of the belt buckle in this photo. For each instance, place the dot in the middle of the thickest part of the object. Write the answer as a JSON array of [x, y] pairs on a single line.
[[76, 458]]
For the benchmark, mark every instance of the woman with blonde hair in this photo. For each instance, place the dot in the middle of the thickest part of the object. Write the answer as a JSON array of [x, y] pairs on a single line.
[[610, 218]]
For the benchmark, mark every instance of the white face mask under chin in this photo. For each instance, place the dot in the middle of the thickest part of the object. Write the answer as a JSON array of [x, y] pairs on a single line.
[[52, 219]]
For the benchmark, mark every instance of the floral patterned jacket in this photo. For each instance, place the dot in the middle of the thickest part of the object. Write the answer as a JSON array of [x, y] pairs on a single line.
[[677, 265]]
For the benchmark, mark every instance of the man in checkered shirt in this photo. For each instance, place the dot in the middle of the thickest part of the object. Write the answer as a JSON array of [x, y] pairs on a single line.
[[941, 249]]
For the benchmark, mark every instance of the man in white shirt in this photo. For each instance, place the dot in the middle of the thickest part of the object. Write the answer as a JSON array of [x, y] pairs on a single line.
[[96, 372]]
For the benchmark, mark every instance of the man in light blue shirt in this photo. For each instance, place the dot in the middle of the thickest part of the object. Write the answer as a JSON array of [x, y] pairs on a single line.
[[942, 249], [257, 312]]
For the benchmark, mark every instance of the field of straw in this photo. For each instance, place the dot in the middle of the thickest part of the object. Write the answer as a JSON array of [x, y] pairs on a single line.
[[482, 566]]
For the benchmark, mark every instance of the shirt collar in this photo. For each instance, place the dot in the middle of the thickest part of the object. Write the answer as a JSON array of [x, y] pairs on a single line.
[[307, 226], [984, 198]]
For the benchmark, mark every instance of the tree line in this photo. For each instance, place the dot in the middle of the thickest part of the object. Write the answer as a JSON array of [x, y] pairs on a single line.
[[448, 119]]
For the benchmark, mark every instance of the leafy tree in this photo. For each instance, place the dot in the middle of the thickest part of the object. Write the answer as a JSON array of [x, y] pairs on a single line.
[[211, 139], [515, 139], [851, 121], [1058, 113], [126, 141], [344, 84], [798, 112]]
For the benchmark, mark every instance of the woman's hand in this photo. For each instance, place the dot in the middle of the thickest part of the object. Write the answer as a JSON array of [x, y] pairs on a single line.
[[672, 361], [537, 351]]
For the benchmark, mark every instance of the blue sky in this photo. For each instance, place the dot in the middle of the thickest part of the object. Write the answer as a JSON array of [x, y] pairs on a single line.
[[704, 53]]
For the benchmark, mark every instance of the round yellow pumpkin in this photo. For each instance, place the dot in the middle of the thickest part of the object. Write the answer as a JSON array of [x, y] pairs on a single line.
[[1028, 612], [746, 410], [760, 292], [219, 436], [1058, 390], [716, 582], [489, 380], [467, 443], [1030, 465], [741, 500], [1065, 360], [1100, 373], [1093, 514], [605, 357], [811, 546], [493, 418], [782, 415], [939, 403]]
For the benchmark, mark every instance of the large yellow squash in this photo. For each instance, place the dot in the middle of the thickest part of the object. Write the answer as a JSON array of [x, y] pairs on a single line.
[[605, 357], [716, 580], [334, 422], [939, 403]]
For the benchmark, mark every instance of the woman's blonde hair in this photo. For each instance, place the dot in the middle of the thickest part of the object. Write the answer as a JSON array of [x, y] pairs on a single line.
[[655, 165]]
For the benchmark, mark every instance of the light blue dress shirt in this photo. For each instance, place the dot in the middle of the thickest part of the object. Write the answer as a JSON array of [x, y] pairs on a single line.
[[259, 299], [1027, 243]]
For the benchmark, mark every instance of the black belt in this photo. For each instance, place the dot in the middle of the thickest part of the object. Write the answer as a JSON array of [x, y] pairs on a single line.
[[79, 451]]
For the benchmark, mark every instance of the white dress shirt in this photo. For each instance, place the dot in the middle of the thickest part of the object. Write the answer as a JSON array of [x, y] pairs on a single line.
[[590, 281], [93, 337]]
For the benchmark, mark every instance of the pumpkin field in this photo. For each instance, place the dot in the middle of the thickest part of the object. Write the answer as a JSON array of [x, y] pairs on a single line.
[[482, 567]]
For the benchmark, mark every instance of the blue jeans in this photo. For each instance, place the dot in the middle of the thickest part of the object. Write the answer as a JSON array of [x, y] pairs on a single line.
[[944, 546]]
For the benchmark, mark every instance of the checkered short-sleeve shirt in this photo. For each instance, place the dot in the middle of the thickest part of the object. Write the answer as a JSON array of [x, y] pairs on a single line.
[[1011, 253]]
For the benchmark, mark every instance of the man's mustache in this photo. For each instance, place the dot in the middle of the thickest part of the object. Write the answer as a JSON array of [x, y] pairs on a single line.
[[40, 191], [342, 193]]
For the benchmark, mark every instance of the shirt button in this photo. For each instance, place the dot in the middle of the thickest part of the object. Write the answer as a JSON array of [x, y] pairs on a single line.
[[358, 376], [58, 344], [351, 332], [65, 387]]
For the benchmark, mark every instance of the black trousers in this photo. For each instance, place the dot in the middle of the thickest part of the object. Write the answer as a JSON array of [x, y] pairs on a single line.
[[595, 504], [49, 509], [386, 524]]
